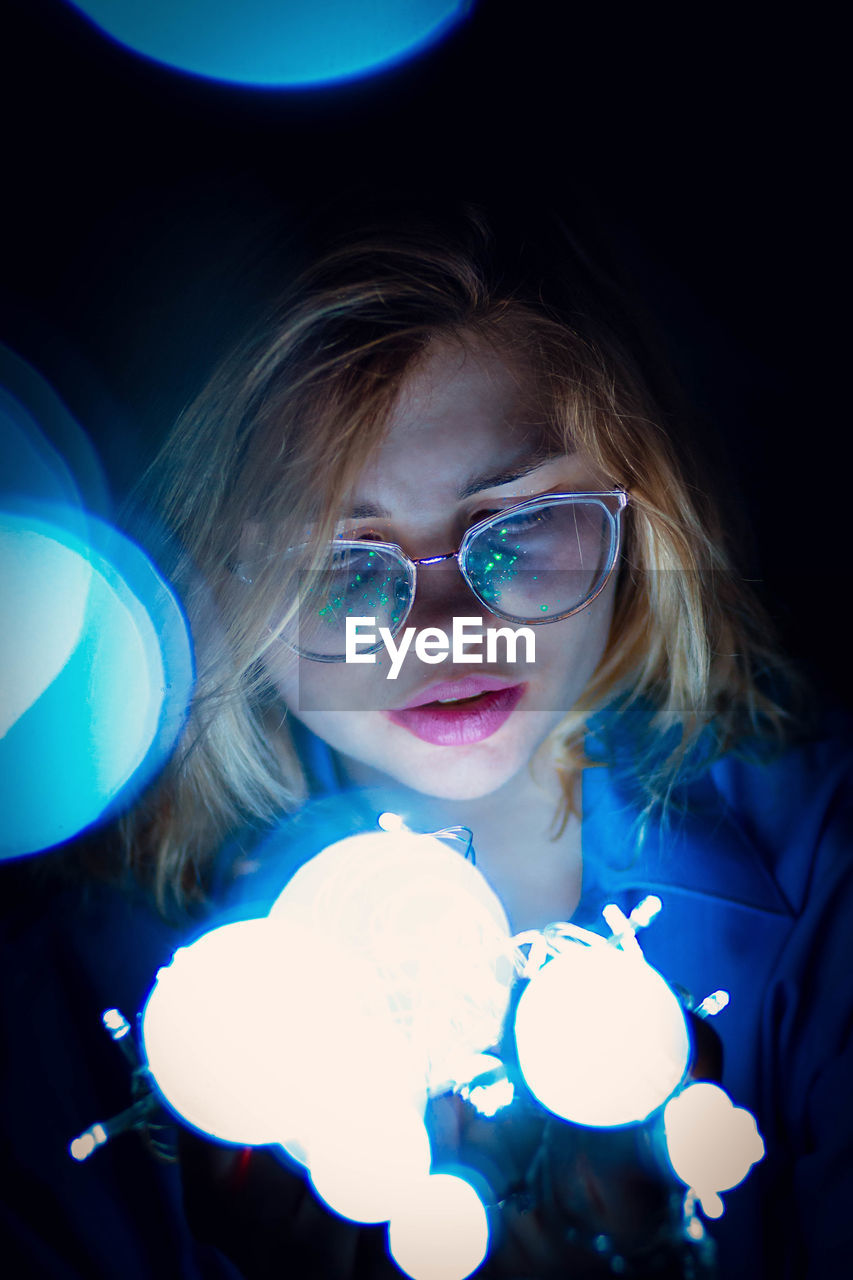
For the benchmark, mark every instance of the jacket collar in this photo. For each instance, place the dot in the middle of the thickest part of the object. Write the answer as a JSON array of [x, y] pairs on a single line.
[[697, 848]]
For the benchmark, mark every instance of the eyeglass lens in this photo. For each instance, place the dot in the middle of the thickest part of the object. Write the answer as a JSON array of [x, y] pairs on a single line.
[[363, 581], [532, 565], [543, 561]]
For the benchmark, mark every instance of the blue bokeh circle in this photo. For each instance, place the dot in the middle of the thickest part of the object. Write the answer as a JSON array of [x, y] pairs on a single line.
[[276, 43]]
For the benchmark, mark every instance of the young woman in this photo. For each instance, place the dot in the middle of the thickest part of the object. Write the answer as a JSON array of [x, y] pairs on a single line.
[[433, 427]]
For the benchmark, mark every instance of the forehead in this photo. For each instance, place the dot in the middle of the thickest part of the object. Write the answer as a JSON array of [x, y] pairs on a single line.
[[463, 409]]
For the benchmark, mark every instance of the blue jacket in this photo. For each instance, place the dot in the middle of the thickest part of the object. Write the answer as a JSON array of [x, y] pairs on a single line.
[[755, 871], [754, 866], [756, 878]]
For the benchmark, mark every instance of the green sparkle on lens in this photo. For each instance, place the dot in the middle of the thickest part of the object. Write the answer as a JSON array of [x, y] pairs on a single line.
[[544, 608]]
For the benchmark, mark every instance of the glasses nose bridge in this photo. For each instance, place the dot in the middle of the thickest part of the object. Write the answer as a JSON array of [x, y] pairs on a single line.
[[428, 560]]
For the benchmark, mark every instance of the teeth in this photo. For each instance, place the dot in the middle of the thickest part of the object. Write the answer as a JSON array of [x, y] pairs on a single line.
[[443, 700]]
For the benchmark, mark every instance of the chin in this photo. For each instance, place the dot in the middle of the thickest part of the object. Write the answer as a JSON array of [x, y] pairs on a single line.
[[456, 788], [455, 774], [445, 772]]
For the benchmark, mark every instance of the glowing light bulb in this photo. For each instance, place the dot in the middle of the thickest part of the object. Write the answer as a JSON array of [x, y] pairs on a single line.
[[645, 912], [622, 929], [351, 1062], [442, 1232], [81, 1148], [364, 1168], [713, 1004], [116, 1023], [427, 923], [712, 1205], [216, 1030], [601, 1037], [712, 1144], [255, 1034]]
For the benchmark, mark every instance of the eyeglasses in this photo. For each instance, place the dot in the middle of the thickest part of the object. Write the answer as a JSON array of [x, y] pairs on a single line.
[[538, 562]]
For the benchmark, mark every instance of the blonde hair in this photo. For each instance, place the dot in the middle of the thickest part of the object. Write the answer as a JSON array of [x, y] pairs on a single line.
[[274, 442]]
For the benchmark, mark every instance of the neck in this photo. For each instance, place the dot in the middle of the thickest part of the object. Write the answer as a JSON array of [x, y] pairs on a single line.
[[535, 870]]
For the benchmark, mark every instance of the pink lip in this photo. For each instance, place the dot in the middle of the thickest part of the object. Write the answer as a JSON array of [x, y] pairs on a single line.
[[465, 687], [458, 724]]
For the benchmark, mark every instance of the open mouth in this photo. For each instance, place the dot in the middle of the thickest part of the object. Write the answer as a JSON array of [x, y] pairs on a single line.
[[459, 721]]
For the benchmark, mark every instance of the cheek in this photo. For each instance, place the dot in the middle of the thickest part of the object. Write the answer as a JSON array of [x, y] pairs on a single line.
[[339, 704], [568, 652], [308, 687], [315, 693]]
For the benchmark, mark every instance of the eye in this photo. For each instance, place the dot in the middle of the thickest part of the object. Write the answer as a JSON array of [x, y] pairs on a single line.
[[353, 562], [519, 521], [360, 535], [483, 514], [532, 519]]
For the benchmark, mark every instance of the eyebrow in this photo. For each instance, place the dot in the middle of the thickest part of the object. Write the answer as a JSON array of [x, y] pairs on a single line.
[[516, 471], [475, 484]]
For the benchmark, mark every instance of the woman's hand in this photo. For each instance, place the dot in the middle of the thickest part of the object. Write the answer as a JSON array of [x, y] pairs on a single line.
[[566, 1199]]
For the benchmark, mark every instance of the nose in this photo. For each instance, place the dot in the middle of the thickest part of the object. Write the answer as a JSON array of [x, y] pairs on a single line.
[[441, 593]]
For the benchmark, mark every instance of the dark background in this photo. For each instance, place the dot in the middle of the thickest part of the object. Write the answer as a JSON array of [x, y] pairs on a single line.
[[699, 153]]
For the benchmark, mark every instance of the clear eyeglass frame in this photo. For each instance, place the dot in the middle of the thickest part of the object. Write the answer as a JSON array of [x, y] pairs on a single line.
[[619, 497]]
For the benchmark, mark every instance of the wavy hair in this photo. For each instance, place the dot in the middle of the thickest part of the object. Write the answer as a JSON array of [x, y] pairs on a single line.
[[276, 439]]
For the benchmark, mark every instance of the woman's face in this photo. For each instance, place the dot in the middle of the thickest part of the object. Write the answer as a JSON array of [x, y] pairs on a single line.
[[463, 442]]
